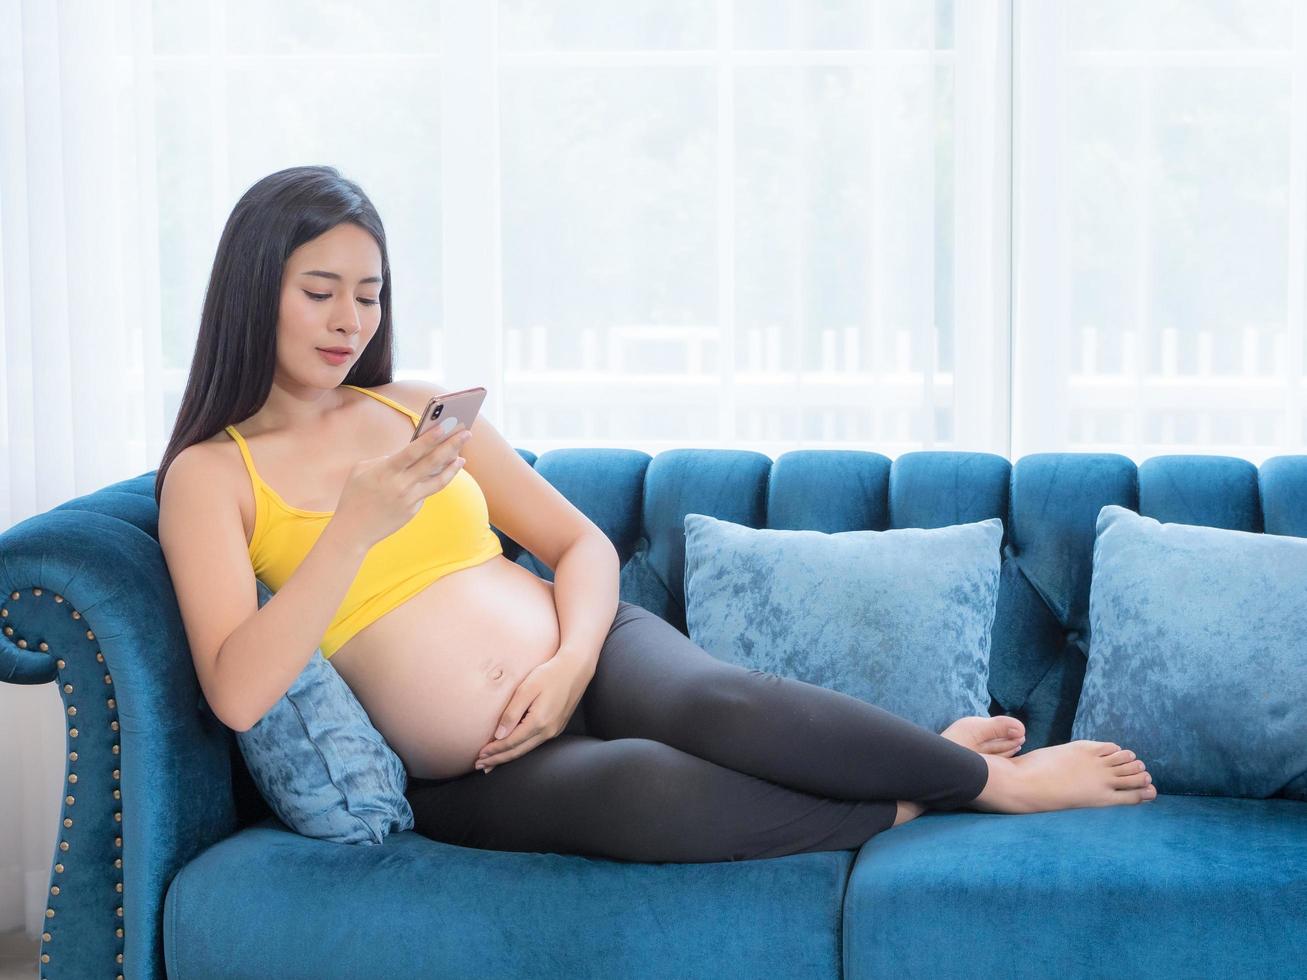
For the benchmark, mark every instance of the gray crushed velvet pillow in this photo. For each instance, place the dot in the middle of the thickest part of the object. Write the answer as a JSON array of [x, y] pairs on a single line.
[[1198, 655], [321, 765], [900, 618]]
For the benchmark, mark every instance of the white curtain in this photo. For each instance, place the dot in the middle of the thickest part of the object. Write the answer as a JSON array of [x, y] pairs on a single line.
[[1161, 268], [79, 349], [762, 224]]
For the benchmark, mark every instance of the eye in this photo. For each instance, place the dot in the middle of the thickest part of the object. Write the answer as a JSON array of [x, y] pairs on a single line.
[[321, 296]]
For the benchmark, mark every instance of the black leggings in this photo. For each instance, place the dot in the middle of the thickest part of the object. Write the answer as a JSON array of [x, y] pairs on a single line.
[[674, 755]]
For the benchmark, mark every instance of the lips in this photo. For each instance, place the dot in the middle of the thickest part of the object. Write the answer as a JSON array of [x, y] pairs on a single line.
[[337, 350]]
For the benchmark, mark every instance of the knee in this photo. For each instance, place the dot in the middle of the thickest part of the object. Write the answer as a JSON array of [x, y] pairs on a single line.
[[728, 694], [648, 775], [712, 706]]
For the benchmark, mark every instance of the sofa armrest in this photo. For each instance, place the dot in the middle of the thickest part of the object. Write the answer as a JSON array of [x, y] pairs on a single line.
[[86, 601]]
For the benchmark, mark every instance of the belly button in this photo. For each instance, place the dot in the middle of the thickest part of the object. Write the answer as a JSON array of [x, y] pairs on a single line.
[[497, 673]]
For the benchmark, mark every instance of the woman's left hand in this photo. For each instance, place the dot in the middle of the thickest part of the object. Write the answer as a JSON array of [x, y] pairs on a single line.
[[537, 711]]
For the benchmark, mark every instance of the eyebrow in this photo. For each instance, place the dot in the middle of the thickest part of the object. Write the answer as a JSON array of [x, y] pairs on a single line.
[[336, 276]]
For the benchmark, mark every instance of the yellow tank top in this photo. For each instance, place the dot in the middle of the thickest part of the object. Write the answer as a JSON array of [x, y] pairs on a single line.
[[451, 531]]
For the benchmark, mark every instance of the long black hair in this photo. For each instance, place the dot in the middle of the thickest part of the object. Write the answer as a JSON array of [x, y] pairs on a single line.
[[236, 350]]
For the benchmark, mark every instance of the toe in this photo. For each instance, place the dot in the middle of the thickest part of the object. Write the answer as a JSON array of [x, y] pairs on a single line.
[[1000, 729], [1132, 780], [1013, 727]]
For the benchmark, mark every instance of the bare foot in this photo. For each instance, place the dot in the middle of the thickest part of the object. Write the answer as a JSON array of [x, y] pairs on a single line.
[[1001, 735], [1082, 773]]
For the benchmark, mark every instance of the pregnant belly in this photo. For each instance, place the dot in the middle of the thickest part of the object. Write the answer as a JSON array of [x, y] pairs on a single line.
[[436, 671]]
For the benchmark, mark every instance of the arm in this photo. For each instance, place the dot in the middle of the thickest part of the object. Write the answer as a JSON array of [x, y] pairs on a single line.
[[531, 511], [585, 595], [259, 661], [245, 657]]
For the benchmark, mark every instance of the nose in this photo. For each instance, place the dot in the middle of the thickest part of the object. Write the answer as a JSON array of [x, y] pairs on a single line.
[[348, 328], [349, 324]]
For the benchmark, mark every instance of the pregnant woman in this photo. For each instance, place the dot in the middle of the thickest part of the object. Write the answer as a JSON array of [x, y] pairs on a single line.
[[530, 715]]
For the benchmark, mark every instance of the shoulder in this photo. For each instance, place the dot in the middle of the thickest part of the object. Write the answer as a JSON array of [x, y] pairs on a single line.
[[203, 457], [207, 463], [200, 470], [413, 394]]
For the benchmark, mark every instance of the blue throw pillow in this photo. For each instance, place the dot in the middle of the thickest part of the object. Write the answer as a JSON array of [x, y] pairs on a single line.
[[1198, 655], [900, 618], [321, 765]]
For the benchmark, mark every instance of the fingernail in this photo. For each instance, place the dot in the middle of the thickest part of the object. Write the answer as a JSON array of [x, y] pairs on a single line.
[[500, 732]]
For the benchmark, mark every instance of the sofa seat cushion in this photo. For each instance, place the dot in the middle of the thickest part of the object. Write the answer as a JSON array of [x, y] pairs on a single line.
[[266, 902], [1180, 886]]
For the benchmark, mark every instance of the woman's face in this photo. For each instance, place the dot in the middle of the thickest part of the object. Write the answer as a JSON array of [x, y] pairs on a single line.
[[330, 297]]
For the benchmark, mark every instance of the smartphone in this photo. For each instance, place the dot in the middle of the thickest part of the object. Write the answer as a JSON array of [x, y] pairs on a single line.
[[451, 409]]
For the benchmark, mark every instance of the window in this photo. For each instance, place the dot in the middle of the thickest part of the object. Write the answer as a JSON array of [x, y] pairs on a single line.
[[999, 226]]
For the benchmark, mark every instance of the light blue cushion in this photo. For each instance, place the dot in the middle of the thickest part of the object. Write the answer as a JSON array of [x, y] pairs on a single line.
[[899, 618], [321, 765], [1198, 655]]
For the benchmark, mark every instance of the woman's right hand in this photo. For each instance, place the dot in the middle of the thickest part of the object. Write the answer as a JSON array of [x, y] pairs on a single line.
[[384, 493]]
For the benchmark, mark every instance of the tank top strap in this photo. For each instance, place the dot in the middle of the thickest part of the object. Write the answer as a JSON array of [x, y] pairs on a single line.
[[245, 454], [415, 416]]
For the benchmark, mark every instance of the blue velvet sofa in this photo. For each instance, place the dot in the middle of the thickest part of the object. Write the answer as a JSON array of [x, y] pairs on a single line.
[[168, 862]]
